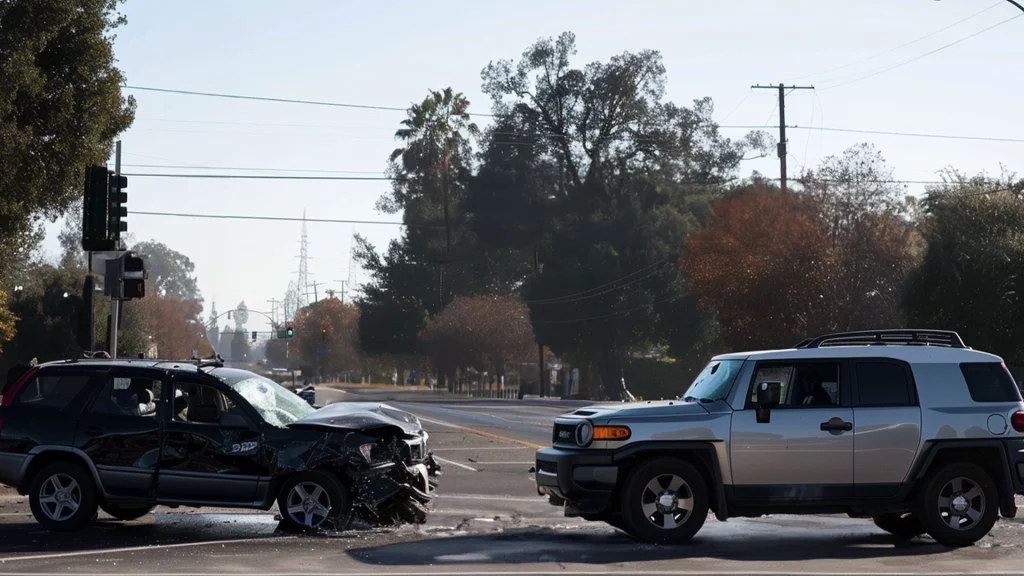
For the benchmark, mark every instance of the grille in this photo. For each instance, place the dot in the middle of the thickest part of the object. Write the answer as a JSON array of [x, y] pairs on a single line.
[[549, 467], [564, 434]]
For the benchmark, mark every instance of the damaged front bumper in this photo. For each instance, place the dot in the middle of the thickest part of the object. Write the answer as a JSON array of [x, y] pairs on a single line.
[[398, 491]]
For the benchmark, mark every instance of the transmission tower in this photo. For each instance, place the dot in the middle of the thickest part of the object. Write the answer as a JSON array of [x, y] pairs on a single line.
[[303, 264]]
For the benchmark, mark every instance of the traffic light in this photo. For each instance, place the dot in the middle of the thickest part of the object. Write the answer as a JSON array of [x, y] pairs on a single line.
[[133, 279], [118, 211], [289, 329], [94, 211]]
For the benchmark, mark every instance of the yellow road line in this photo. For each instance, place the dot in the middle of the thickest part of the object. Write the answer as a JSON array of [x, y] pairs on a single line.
[[490, 435]]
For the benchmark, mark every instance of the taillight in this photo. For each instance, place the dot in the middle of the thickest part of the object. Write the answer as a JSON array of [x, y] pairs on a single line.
[[1017, 421], [17, 386]]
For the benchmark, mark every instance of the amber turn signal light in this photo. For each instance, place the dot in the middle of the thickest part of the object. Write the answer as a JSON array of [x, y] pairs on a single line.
[[611, 433]]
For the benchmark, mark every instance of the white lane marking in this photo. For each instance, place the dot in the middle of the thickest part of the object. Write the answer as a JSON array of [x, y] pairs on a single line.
[[139, 548], [490, 435], [482, 448], [530, 463], [489, 498], [459, 464], [544, 572]]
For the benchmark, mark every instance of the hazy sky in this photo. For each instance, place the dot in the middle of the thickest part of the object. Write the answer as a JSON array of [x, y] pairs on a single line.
[[390, 53]]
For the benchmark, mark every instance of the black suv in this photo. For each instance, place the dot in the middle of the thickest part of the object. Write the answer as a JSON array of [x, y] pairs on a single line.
[[127, 435]]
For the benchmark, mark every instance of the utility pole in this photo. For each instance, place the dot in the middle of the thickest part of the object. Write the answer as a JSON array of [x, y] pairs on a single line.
[[782, 125], [540, 347], [115, 303]]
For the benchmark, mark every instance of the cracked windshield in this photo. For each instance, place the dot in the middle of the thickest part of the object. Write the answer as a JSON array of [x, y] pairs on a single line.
[[511, 287]]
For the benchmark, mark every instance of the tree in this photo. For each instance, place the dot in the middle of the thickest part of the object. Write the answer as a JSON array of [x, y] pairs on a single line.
[[760, 263], [969, 278], [172, 323], [60, 107], [483, 332], [613, 176], [7, 320], [332, 327], [171, 273]]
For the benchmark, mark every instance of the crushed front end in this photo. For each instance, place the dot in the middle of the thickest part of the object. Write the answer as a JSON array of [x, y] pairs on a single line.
[[398, 483]]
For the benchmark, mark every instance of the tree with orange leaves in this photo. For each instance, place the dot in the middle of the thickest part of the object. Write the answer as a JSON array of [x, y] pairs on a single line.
[[327, 337]]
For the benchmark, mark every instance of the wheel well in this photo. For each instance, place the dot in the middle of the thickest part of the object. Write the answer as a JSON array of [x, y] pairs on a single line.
[[699, 459], [989, 458], [44, 459]]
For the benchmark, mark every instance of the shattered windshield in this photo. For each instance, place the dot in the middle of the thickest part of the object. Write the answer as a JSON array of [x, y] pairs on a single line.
[[714, 382], [275, 403]]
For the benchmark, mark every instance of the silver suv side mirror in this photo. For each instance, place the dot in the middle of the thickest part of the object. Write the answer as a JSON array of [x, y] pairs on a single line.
[[768, 397]]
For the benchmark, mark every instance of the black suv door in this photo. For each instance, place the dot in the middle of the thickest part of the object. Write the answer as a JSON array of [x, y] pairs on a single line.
[[212, 448], [120, 431]]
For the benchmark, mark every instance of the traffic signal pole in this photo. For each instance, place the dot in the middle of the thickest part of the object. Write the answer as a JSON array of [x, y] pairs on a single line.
[[115, 303]]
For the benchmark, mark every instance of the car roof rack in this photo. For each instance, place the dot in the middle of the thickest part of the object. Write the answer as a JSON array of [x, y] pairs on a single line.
[[908, 337], [215, 361]]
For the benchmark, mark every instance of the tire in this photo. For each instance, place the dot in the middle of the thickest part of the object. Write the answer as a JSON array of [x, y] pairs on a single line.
[[902, 526], [648, 498], [939, 509], [326, 504], [57, 488], [127, 513]]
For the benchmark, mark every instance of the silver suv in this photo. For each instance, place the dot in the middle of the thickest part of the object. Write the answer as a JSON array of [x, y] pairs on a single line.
[[908, 427]]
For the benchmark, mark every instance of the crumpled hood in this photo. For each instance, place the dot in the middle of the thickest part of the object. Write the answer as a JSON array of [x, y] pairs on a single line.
[[640, 409], [362, 416]]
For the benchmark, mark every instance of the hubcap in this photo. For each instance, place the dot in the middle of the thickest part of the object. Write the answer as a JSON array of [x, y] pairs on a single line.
[[667, 501], [961, 503], [60, 497], [308, 504]]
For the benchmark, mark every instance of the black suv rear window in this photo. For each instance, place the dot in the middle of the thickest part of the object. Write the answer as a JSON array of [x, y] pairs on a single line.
[[52, 391], [990, 382]]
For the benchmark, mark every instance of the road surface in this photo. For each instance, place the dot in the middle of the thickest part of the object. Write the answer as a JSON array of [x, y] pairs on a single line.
[[487, 519]]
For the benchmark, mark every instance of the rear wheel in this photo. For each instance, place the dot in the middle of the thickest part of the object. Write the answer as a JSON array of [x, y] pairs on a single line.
[[313, 500], [62, 497], [902, 526], [959, 504], [665, 500], [127, 513]]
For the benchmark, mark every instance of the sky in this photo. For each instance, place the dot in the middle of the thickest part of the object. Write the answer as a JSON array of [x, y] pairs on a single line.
[[391, 53]]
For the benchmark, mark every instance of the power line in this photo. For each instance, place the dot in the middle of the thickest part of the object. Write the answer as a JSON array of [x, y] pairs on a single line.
[[278, 100], [617, 280], [251, 168], [609, 290], [620, 312], [258, 177], [904, 45], [916, 58], [282, 219], [887, 133]]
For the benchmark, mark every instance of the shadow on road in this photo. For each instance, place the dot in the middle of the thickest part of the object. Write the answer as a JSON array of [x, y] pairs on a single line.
[[607, 546], [28, 537]]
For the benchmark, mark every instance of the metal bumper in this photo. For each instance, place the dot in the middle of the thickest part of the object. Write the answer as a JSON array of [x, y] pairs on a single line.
[[1015, 455], [582, 480]]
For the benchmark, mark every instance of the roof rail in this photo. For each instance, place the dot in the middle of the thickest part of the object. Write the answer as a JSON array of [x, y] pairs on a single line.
[[216, 361], [883, 337]]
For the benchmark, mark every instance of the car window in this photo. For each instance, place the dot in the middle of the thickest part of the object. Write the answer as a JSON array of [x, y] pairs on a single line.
[[191, 394], [128, 396], [52, 390], [990, 382], [883, 384], [804, 384]]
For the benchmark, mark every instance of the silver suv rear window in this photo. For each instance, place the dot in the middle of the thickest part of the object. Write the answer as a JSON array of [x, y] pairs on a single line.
[[990, 382]]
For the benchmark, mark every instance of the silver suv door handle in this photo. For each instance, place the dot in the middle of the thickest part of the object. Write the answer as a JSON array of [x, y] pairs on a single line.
[[836, 425]]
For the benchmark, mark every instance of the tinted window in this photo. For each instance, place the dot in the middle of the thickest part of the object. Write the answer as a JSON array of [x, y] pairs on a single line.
[[128, 396], [804, 384], [990, 382], [883, 384], [52, 391]]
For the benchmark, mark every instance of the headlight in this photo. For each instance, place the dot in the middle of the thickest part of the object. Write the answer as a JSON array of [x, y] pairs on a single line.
[[584, 433]]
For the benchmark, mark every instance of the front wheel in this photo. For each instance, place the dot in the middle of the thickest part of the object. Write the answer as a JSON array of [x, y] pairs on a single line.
[[313, 500], [959, 504], [665, 500], [62, 497]]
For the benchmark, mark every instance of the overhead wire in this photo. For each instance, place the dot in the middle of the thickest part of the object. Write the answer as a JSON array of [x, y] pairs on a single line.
[[828, 86], [893, 49], [595, 295], [603, 316], [617, 280], [280, 219]]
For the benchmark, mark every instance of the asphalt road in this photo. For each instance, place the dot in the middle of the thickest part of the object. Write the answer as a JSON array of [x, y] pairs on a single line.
[[487, 519]]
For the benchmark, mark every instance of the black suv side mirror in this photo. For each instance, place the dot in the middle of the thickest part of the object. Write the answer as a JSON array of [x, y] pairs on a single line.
[[768, 396], [204, 414]]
